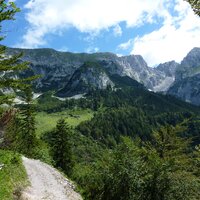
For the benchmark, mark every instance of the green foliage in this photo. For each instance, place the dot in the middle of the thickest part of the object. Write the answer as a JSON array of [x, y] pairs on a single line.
[[27, 136], [171, 167], [106, 167], [197, 160], [160, 170], [7, 10], [109, 125], [12, 175], [20, 133], [92, 65], [123, 177], [61, 148], [46, 122], [48, 103], [10, 65], [137, 96], [11, 134], [125, 81], [43, 152], [195, 4], [85, 150]]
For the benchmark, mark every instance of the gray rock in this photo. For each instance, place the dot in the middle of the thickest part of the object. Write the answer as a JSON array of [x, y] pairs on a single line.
[[187, 78]]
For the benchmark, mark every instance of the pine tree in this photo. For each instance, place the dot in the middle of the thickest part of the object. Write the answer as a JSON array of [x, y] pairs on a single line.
[[62, 152], [20, 131], [10, 139], [10, 65], [197, 160], [27, 135], [195, 4], [170, 167], [162, 169]]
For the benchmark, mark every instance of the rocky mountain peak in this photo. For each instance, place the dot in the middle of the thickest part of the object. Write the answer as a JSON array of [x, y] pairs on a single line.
[[89, 76], [169, 68], [194, 52], [190, 65], [187, 78], [192, 59]]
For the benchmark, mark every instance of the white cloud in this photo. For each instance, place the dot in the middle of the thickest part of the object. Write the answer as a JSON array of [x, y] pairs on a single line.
[[126, 45], [92, 50], [120, 55], [173, 40], [63, 49], [117, 31], [90, 16]]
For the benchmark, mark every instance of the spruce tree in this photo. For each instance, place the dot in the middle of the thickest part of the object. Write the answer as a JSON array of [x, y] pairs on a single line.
[[195, 4], [27, 136], [11, 134], [10, 65], [171, 173], [20, 133], [62, 151]]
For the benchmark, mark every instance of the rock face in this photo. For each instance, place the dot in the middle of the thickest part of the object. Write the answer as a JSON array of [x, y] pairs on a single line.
[[190, 66], [70, 74], [187, 78], [167, 72], [89, 76], [59, 69], [169, 68], [188, 89]]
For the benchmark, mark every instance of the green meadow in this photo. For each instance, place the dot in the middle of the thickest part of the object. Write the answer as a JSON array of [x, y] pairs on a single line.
[[47, 121]]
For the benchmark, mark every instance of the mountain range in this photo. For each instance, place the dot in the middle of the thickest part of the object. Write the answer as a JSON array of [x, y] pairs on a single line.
[[69, 74]]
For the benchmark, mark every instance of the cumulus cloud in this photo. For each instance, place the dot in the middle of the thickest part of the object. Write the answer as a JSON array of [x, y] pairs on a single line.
[[63, 49], [173, 40], [92, 49], [117, 31], [126, 45], [89, 16]]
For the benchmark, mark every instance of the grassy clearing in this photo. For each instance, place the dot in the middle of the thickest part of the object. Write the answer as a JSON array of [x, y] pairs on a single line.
[[12, 176], [46, 122]]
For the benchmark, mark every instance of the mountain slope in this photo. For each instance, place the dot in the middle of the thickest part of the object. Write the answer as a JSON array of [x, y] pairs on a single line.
[[168, 69], [63, 72], [57, 68], [187, 78], [89, 76]]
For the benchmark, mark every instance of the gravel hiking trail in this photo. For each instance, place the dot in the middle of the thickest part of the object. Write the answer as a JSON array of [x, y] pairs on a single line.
[[46, 183]]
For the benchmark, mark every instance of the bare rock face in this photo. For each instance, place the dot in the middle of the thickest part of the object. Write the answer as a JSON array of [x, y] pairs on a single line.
[[166, 73], [190, 65], [187, 78], [89, 76], [59, 69]]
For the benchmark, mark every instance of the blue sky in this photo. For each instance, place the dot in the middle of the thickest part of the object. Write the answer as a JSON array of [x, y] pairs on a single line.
[[159, 30]]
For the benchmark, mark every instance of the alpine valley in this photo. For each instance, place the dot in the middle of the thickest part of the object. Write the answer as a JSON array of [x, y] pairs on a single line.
[[98, 126], [118, 128]]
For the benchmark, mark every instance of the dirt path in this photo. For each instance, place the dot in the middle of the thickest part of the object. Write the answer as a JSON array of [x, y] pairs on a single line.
[[47, 183]]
